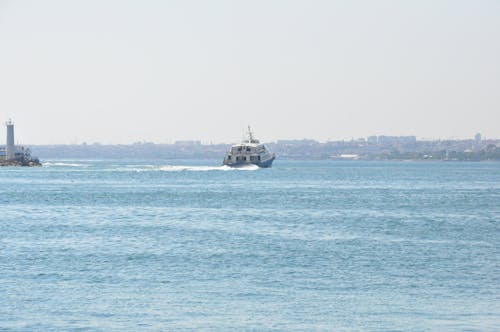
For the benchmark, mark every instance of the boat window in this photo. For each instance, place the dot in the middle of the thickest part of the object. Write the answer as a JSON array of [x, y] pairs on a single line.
[[248, 148], [229, 157]]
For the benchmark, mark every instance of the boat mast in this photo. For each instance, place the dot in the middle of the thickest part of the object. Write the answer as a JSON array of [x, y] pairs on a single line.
[[250, 135]]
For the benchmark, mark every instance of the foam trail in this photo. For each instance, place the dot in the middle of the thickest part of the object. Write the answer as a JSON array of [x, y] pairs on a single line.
[[180, 168], [59, 164]]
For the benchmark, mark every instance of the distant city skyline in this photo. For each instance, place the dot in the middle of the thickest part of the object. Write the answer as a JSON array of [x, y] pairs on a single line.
[[191, 142], [119, 72]]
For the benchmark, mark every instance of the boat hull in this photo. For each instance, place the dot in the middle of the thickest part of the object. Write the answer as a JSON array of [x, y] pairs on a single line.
[[263, 164]]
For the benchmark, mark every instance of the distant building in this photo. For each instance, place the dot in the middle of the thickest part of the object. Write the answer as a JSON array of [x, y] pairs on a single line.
[[372, 139], [396, 139], [349, 156], [297, 142], [477, 137]]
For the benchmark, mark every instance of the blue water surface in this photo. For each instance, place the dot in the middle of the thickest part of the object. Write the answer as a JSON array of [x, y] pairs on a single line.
[[182, 245]]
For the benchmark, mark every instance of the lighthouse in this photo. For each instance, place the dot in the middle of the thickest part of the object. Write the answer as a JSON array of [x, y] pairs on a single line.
[[12, 155], [10, 148]]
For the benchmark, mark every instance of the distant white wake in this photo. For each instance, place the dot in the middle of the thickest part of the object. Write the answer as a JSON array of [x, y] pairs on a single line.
[[180, 168], [60, 164], [150, 168]]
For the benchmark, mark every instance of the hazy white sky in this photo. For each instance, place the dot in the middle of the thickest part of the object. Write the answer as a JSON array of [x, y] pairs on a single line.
[[125, 71]]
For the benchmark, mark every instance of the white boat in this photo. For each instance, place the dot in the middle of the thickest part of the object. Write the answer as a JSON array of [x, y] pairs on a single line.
[[249, 152]]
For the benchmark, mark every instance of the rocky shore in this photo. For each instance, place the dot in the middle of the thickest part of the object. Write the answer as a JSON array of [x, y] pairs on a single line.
[[21, 162]]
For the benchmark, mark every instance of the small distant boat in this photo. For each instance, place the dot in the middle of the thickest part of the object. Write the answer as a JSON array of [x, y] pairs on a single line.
[[249, 152]]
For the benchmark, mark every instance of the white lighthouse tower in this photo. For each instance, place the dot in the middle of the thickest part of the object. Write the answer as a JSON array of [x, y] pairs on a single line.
[[10, 148]]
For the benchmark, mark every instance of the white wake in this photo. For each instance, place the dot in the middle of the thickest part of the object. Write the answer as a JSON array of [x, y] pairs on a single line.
[[181, 168], [153, 168], [60, 164]]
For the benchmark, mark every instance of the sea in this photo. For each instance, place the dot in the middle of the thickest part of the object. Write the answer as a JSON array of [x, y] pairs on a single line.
[[189, 245]]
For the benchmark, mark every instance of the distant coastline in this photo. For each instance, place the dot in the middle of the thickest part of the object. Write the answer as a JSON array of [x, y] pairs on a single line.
[[386, 148]]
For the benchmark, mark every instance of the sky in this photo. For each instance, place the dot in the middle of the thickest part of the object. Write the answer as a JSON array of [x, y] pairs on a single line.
[[118, 72]]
